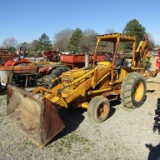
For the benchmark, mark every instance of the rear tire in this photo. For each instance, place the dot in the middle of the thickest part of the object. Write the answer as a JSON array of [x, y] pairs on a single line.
[[56, 58], [98, 109], [133, 90], [3, 89], [54, 74]]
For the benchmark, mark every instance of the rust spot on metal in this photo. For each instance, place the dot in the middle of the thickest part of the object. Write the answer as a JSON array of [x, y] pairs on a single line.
[[35, 116]]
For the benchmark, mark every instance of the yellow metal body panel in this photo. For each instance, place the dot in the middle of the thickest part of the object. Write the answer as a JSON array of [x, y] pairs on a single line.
[[75, 83], [103, 77]]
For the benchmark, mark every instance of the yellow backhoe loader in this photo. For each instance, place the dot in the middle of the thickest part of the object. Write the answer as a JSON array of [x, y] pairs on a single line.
[[92, 87]]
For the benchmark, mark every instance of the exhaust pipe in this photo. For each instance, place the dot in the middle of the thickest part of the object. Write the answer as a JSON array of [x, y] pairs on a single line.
[[86, 60]]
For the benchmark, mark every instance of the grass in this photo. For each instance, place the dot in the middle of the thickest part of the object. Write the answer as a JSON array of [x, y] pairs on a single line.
[[1, 116], [72, 141]]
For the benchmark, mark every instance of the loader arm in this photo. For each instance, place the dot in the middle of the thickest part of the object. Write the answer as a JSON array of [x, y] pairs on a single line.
[[36, 113], [72, 88]]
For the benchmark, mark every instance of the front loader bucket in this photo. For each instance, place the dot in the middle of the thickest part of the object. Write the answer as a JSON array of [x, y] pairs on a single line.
[[34, 115]]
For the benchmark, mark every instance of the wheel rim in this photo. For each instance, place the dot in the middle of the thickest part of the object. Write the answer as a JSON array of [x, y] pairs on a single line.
[[139, 91], [102, 111]]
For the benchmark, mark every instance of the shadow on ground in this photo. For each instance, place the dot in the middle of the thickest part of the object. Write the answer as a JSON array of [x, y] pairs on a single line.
[[113, 105], [154, 151], [72, 118], [150, 91]]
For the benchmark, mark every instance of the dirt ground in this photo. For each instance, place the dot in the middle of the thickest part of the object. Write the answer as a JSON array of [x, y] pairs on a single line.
[[125, 135]]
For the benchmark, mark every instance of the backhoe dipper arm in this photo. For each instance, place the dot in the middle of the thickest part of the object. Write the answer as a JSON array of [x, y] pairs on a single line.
[[142, 50]]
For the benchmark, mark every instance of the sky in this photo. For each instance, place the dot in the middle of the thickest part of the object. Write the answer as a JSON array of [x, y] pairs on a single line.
[[26, 21]]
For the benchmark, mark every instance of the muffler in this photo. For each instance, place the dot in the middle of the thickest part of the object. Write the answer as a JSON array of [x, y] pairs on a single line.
[[34, 115]]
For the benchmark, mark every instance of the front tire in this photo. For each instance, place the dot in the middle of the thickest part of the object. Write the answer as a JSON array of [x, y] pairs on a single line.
[[98, 109], [133, 90]]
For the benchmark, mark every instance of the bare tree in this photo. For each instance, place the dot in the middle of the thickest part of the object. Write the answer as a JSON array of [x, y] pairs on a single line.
[[88, 40], [27, 45], [10, 42], [35, 46], [151, 42], [109, 31], [61, 39], [109, 45]]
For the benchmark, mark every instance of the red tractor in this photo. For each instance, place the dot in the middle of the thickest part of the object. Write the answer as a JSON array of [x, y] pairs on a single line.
[[158, 61], [20, 59], [25, 73], [52, 55], [20, 72], [6, 55]]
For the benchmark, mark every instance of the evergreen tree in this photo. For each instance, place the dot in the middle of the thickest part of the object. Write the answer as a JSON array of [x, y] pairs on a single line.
[[133, 28], [74, 43], [45, 43]]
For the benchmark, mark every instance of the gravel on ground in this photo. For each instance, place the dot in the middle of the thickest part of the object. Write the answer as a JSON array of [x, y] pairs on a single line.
[[126, 135]]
